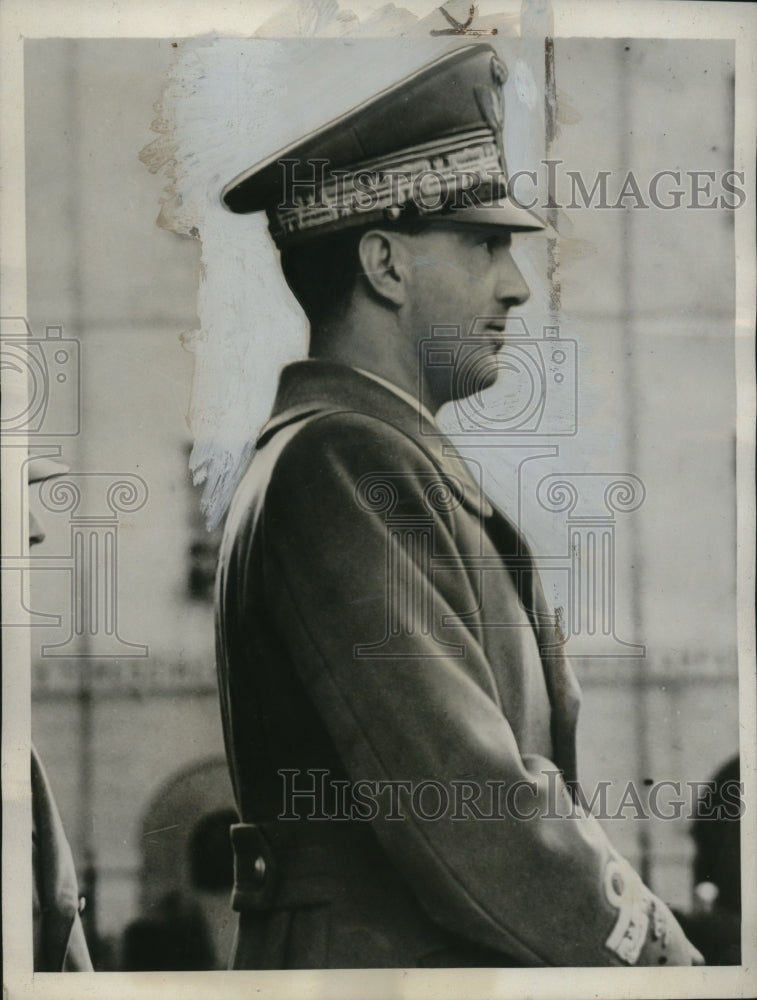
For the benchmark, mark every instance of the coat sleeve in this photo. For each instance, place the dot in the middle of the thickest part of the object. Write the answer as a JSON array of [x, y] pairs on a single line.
[[548, 889], [59, 942]]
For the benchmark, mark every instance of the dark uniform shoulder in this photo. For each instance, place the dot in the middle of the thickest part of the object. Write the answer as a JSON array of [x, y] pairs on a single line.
[[347, 439]]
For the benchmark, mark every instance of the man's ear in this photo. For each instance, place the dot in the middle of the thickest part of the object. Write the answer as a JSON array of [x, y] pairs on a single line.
[[383, 258]]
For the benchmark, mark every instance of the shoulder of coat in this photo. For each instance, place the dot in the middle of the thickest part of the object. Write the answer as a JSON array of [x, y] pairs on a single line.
[[348, 433]]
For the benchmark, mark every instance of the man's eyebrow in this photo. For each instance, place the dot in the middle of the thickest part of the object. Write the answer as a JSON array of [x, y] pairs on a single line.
[[503, 236]]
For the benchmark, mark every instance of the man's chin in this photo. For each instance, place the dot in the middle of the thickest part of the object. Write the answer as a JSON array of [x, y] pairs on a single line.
[[490, 380], [485, 379]]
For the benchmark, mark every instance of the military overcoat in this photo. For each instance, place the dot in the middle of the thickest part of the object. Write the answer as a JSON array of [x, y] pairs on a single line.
[[397, 710]]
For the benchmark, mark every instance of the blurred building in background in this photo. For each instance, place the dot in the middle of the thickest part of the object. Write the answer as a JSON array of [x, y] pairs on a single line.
[[124, 701], [125, 712]]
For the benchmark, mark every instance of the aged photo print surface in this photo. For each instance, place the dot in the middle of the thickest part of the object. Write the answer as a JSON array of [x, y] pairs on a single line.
[[376, 506]]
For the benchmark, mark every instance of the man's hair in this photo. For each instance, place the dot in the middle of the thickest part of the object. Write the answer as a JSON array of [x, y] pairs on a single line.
[[322, 272]]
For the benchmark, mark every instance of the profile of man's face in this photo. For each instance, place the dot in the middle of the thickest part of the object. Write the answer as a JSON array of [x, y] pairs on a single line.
[[463, 278], [39, 470], [36, 531]]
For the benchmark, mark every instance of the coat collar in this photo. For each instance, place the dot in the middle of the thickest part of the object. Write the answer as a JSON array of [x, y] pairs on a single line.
[[316, 386]]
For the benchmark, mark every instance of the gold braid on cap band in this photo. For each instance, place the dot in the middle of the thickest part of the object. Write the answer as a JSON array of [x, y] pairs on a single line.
[[423, 178]]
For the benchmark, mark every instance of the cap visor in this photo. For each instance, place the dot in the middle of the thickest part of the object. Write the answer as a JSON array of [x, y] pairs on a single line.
[[39, 469], [495, 213]]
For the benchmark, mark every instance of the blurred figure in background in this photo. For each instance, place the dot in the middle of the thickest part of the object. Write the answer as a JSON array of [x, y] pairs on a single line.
[[174, 938], [714, 923], [59, 942]]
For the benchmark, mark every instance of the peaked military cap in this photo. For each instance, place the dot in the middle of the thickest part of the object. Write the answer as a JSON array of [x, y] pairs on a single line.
[[431, 145]]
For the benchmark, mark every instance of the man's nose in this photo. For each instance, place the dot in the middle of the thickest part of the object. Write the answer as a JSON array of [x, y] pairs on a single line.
[[512, 289], [36, 531]]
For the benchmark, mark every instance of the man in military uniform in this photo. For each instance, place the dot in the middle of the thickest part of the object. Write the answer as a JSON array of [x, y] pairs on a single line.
[[385, 650]]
